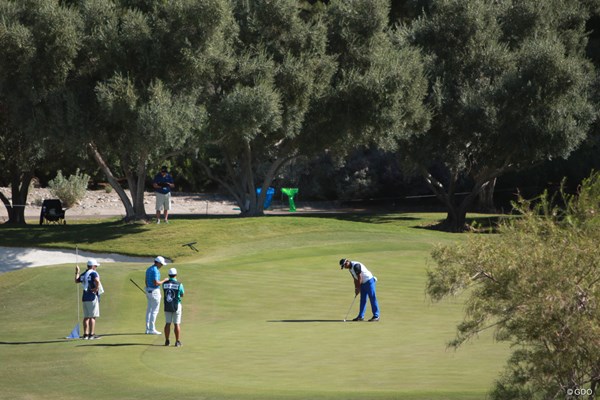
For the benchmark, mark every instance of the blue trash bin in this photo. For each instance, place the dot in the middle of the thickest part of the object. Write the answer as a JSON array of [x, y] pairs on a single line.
[[268, 197]]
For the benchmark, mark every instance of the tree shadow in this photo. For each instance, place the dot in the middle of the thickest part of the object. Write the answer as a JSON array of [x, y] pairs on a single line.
[[90, 232], [482, 224], [365, 217]]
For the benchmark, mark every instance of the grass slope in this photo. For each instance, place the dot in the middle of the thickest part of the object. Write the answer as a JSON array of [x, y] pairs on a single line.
[[262, 316]]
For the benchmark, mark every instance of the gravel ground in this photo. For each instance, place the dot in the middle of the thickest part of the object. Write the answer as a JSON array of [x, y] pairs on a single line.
[[99, 203]]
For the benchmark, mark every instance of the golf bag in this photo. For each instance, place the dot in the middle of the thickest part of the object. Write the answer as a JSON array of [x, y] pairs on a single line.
[[171, 296]]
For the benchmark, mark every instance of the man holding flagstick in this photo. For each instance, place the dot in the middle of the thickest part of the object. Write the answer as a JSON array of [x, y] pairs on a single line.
[[92, 289]]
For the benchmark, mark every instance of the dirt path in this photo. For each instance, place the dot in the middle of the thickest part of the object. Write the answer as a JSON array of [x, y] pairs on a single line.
[[99, 203]]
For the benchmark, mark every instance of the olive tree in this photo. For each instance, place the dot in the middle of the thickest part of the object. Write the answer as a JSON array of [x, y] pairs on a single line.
[[509, 86], [258, 101], [137, 106], [303, 83], [39, 42]]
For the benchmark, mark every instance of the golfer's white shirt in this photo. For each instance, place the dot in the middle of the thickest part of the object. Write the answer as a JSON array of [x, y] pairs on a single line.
[[366, 274]]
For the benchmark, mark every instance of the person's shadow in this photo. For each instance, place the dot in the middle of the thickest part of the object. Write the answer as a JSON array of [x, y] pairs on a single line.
[[307, 320]]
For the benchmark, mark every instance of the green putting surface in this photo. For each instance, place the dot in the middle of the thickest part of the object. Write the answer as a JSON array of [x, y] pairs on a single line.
[[262, 319]]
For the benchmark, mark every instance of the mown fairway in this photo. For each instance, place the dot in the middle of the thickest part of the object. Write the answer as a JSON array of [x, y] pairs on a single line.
[[263, 312]]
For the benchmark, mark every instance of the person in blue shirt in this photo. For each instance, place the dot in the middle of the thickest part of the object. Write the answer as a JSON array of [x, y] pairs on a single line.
[[364, 283], [153, 283], [173, 292], [92, 289], [162, 184]]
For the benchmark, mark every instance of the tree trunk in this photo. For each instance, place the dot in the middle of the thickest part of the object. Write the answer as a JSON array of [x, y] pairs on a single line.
[[136, 191], [129, 211], [136, 181], [457, 211], [14, 217], [19, 191], [456, 218], [257, 203], [485, 201], [138, 198], [241, 185]]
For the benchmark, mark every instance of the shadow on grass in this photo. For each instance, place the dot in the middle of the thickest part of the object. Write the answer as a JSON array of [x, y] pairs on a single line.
[[36, 342], [68, 340], [307, 320], [482, 224], [365, 217], [95, 344], [16, 235], [122, 334], [100, 344]]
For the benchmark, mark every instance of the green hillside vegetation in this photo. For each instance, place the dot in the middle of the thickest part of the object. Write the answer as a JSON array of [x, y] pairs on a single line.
[[262, 317]]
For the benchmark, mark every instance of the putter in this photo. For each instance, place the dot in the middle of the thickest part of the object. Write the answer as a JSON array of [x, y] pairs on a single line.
[[132, 281], [345, 318]]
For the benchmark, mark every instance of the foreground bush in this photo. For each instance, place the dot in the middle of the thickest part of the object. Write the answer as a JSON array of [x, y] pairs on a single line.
[[537, 284]]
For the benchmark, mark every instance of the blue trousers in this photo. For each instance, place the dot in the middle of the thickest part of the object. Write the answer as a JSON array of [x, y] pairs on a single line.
[[368, 289]]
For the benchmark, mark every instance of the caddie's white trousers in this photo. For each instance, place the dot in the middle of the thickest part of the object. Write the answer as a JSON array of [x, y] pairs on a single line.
[[153, 297]]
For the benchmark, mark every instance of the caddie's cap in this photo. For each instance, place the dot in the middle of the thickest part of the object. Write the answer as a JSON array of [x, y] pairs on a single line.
[[172, 272], [160, 259], [342, 262], [164, 169], [92, 262]]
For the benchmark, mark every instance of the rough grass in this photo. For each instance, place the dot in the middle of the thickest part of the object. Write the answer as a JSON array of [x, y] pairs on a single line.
[[263, 312]]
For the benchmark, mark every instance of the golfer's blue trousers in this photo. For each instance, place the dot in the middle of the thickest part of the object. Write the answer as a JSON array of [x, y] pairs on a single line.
[[368, 289]]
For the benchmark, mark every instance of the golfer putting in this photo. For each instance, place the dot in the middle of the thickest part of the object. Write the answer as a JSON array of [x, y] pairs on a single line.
[[364, 283]]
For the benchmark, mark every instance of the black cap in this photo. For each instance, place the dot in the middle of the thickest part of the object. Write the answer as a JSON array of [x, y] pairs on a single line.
[[164, 169], [342, 262]]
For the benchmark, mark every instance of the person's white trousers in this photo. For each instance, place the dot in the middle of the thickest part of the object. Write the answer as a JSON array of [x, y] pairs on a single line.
[[152, 309]]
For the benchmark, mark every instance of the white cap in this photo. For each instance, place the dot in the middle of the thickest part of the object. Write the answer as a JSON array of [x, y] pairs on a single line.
[[160, 259], [172, 272], [92, 262]]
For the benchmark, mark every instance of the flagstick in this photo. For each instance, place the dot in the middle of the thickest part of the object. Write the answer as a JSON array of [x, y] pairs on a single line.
[[77, 285]]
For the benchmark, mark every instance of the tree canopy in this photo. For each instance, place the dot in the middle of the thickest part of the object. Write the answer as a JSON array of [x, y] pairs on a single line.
[[300, 84], [462, 90], [137, 107], [257, 101], [509, 86], [39, 43]]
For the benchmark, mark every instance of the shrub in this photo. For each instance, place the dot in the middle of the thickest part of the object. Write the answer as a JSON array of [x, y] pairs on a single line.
[[71, 190], [538, 285]]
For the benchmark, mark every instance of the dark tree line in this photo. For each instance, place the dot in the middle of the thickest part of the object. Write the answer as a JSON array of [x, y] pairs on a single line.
[[458, 92]]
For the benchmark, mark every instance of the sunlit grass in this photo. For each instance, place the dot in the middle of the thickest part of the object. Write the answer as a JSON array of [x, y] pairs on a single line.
[[263, 312]]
